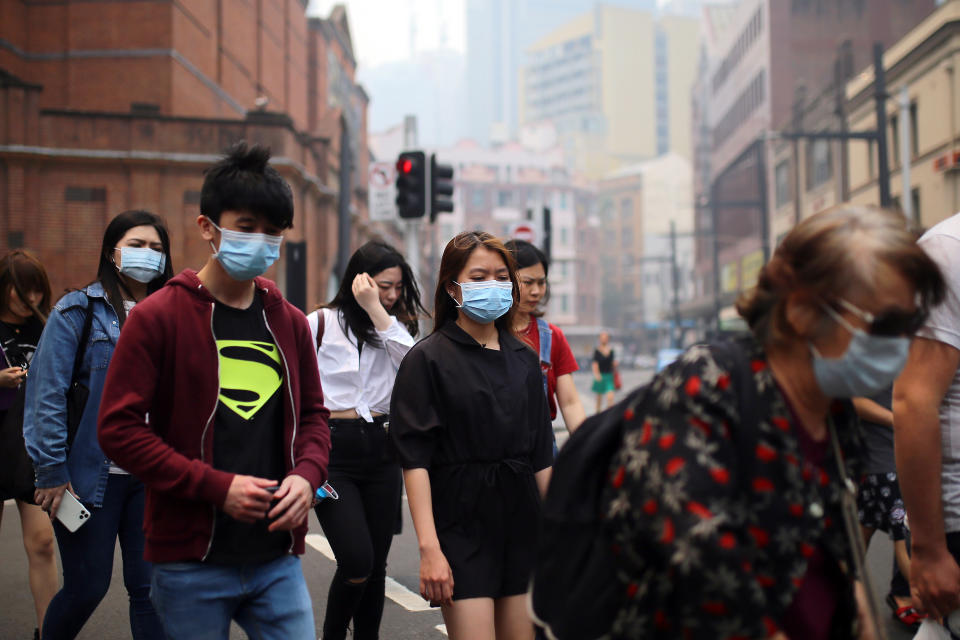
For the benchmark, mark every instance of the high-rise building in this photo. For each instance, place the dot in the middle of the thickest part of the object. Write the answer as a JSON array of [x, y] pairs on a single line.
[[616, 83], [498, 35]]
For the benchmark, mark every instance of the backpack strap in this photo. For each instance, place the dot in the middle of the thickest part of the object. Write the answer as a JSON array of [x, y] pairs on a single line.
[[546, 340], [746, 434], [321, 326]]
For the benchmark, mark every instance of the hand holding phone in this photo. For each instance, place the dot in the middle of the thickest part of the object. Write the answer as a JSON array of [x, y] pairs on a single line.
[[71, 513]]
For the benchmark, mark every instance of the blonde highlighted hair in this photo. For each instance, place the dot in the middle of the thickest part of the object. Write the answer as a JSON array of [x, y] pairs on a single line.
[[831, 254]]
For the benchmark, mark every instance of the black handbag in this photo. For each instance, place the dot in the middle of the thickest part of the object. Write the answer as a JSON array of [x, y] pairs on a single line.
[[16, 472], [77, 393]]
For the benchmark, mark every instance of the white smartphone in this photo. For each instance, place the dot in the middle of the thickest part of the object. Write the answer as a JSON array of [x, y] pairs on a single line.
[[71, 513]]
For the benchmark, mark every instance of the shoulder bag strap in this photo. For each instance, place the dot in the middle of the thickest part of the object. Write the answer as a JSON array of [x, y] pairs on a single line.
[[84, 338]]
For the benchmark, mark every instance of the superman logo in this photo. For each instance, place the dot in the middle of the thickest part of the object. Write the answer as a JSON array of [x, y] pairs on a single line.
[[250, 373]]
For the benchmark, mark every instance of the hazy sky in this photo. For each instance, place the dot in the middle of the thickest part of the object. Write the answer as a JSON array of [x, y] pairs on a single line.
[[381, 29]]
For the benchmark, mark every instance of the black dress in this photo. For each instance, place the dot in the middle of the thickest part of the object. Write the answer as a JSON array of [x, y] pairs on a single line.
[[477, 420]]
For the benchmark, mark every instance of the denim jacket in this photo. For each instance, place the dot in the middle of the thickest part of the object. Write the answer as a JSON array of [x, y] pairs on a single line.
[[45, 414]]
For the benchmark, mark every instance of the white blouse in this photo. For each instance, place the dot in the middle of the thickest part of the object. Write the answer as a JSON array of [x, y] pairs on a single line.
[[358, 380]]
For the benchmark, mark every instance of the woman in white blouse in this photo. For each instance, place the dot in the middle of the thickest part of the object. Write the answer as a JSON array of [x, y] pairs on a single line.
[[362, 335]]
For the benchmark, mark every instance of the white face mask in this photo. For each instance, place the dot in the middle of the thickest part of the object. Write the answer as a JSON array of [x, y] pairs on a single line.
[[869, 365], [143, 264], [485, 301]]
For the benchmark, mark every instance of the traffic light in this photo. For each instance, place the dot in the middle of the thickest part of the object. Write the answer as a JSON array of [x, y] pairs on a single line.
[[411, 184], [441, 188]]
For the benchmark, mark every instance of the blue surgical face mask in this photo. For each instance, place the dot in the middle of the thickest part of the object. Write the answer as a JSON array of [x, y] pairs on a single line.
[[485, 301], [245, 256], [143, 264], [869, 365]]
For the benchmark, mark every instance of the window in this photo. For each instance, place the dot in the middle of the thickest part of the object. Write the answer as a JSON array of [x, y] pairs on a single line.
[[819, 163], [563, 199], [565, 303], [782, 175], [564, 236], [85, 194], [478, 198], [894, 143], [914, 131], [871, 159], [626, 210], [504, 198]]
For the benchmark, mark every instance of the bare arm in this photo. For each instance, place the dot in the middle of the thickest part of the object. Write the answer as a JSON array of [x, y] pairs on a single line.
[[543, 480], [917, 394], [436, 577], [869, 410], [569, 400], [596, 370]]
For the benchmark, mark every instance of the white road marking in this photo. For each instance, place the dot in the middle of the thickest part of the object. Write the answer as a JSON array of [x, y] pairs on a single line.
[[394, 590], [404, 597], [442, 628], [320, 543]]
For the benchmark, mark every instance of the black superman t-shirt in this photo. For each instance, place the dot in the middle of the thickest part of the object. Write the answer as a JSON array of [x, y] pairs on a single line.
[[248, 428]]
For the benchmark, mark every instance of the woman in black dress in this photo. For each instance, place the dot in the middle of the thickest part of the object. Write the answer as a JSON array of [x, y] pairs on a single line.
[[24, 305], [471, 425]]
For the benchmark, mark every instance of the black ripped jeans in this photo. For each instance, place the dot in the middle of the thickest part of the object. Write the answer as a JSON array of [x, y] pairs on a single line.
[[360, 525]]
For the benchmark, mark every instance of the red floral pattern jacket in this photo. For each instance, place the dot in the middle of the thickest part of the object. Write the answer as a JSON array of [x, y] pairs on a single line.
[[700, 557]]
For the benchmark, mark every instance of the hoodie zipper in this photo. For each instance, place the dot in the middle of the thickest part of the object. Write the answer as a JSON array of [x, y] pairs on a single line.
[[203, 435], [293, 407]]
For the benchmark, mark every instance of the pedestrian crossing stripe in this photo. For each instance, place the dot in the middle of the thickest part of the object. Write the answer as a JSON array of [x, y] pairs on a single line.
[[394, 590]]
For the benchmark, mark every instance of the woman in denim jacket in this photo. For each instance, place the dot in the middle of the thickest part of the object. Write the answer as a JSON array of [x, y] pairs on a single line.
[[134, 262]]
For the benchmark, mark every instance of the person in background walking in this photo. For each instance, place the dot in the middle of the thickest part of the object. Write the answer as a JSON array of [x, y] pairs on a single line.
[[604, 372], [471, 425], [879, 504], [361, 336], [556, 359], [134, 262], [24, 305]]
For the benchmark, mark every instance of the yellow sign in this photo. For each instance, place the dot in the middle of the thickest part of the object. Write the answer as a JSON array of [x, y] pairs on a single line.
[[728, 277], [750, 266]]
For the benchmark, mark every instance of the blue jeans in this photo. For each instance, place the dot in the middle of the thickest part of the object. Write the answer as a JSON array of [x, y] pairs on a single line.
[[197, 601], [87, 559]]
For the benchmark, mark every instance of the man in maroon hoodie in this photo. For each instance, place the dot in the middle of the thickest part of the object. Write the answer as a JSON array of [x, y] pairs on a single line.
[[213, 400]]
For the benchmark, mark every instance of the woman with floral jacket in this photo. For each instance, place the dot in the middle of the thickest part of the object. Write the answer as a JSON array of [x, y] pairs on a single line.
[[707, 552]]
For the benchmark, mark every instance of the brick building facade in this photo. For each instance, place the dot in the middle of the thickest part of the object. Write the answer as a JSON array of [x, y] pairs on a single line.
[[108, 106]]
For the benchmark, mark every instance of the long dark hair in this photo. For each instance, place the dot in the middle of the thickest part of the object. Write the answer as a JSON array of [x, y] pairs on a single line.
[[454, 259], [107, 273], [22, 272], [527, 255], [373, 258]]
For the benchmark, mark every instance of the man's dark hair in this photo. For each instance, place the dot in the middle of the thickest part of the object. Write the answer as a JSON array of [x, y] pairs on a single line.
[[243, 181]]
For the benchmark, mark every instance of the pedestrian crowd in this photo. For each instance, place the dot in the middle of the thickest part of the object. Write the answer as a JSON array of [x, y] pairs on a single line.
[[197, 418]]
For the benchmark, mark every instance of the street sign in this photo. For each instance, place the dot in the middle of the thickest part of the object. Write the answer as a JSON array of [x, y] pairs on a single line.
[[524, 231], [382, 191]]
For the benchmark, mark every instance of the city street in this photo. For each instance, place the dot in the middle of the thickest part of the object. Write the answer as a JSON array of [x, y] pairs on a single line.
[[406, 616]]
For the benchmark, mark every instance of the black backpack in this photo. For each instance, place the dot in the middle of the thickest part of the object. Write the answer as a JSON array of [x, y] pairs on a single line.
[[575, 593]]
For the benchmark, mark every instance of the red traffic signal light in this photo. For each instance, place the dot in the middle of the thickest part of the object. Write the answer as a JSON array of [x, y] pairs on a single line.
[[411, 184]]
